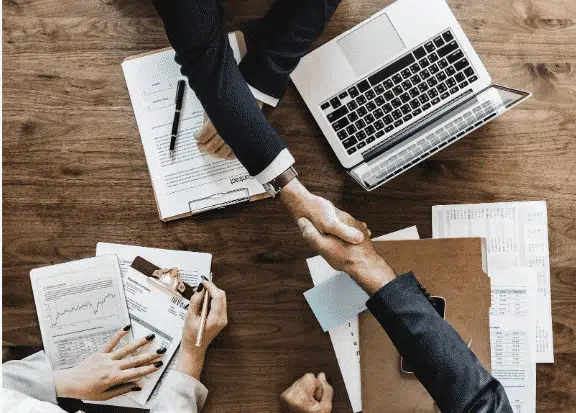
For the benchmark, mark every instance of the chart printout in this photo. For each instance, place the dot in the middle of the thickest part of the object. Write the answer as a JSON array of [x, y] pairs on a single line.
[[80, 304], [516, 235]]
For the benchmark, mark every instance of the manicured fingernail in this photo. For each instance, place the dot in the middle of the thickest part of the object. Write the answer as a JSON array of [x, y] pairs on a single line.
[[150, 337], [200, 287], [186, 306], [128, 327], [301, 224], [161, 350], [158, 364], [322, 376], [136, 388], [204, 278]]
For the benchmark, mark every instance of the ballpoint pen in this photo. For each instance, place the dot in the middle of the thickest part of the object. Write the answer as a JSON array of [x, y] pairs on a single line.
[[176, 122]]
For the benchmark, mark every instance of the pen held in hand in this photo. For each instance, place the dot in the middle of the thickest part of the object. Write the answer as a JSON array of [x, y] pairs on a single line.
[[176, 122], [203, 316]]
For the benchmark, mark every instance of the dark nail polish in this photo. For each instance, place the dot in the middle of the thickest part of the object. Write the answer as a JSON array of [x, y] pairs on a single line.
[[200, 287], [136, 388], [161, 350], [150, 337], [158, 364], [204, 278], [128, 327], [186, 306]]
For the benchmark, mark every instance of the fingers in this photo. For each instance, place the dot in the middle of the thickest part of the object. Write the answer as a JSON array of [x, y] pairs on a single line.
[[312, 236], [212, 145], [327, 393], [140, 360], [353, 222], [139, 372], [218, 310], [121, 389], [223, 152], [195, 305], [206, 132], [114, 340], [131, 347], [344, 231]]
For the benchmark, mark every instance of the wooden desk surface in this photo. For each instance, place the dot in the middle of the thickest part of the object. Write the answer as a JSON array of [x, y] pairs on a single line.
[[74, 174]]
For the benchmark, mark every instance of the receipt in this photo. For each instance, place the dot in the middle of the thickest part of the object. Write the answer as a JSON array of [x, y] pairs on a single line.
[[512, 335]]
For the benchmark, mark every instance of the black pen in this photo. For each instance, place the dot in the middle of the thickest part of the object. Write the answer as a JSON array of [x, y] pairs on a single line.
[[179, 99]]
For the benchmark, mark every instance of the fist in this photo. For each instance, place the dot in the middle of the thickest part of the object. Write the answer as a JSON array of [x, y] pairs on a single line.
[[309, 394]]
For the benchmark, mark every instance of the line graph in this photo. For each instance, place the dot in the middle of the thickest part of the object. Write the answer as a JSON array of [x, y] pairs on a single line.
[[93, 308]]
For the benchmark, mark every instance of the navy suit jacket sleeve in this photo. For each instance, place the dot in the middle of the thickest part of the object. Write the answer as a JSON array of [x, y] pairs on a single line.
[[439, 357]]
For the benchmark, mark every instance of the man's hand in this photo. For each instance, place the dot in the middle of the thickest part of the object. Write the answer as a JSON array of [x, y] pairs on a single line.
[[360, 261], [309, 394], [211, 143], [326, 217]]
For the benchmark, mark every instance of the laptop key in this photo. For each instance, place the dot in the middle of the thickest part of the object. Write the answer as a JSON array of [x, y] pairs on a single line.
[[337, 114], [420, 52], [432, 93], [351, 129], [361, 100], [450, 71], [389, 95], [425, 74], [397, 78], [353, 117], [463, 85], [461, 64], [415, 68], [361, 145], [429, 47], [405, 109], [379, 100], [349, 142], [388, 119], [438, 42], [362, 111], [335, 102], [398, 90], [378, 113], [423, 98], [351, 150], [379, 125], [424, 62], [388, 84], [340, 123], [325, 105], [360, 124], [414, 103], [405, 97], [379, 89], [379, 134], [441, 76], [415, 79], [407, 117], [343, 95], [442, 87], [406, 73], [370, 106], [433, 69], [370, 130], [396, 103], [416, 112], [353, 92], [387, 108], [370, 139], [423, 87], [342, 134], [369, 119], [389, 128], [398, 123], [442, 63], [447, 35], [473, 78], [433, 57], [370, 95], [432, 82], [451, 82], [454, 90], [361, 135], [406, 84], [396, 114], [469, 71], [436, 100], [352, 105], [457, 55], [447, 49], [426, 106], [363, 86], [444, 95], [459, 77]]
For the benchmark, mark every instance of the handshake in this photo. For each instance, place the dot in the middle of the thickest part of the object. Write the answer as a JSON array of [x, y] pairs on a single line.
[[343, 241]]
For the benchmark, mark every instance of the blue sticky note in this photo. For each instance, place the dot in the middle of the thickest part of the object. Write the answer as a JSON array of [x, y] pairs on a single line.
[[336, 300]]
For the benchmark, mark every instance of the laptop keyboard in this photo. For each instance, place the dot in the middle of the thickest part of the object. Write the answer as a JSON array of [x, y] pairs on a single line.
[[413, 85], [429, 143]]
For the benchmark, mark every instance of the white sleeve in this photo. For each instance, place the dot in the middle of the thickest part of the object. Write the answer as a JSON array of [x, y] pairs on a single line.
[[32, 376], [238, 46], [180, 394], [283, 161]]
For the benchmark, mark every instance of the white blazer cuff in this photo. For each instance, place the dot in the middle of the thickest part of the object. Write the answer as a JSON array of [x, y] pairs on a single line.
[[283, 161]]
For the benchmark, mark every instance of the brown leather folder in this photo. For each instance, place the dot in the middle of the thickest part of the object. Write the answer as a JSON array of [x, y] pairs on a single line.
[[449, 268]]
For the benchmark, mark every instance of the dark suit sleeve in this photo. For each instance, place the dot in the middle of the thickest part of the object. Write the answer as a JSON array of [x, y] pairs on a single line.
[[278, 41], [194, 28], [439, 358]]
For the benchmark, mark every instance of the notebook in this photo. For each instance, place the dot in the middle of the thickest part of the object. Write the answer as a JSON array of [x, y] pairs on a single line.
[[451, 268], [190, 182]]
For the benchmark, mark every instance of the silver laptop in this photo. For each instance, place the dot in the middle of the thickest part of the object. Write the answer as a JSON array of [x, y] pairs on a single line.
[[398, 88]]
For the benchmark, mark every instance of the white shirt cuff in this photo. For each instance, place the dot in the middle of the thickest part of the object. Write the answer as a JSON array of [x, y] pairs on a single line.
[[283, 161], [238, 45]]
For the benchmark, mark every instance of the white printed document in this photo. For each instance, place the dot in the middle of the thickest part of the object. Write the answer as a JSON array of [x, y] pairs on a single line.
[[192, 265], [80, 305], [516, 235], [345, 337], [192, 181], [153, 311], [512, 335]]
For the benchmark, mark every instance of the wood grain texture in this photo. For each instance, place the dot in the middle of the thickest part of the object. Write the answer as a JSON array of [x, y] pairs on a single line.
[[74, 174]]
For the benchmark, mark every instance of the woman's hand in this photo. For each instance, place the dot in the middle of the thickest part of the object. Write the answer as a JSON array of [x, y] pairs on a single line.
[[309, 394], [107, 373], [191, 358]]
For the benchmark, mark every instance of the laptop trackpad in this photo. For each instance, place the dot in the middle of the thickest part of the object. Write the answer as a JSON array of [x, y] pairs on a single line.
[[371, 45]]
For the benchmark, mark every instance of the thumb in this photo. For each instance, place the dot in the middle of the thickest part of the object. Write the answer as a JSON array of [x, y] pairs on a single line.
[[346, 232], [327, 393], [312, 236]]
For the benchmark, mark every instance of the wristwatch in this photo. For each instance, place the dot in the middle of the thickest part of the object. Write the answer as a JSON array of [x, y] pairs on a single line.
[[275, 185]]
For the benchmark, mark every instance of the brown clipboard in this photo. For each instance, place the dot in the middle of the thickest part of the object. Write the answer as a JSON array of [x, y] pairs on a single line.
[[248, 198], [166, 280]]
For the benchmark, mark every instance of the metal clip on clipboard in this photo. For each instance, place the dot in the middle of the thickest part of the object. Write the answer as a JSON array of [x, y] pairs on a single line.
[[245, 197], [166, 280]]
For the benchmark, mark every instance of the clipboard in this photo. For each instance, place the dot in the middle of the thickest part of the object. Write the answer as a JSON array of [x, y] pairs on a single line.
[[166, 280], [229, 197]]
